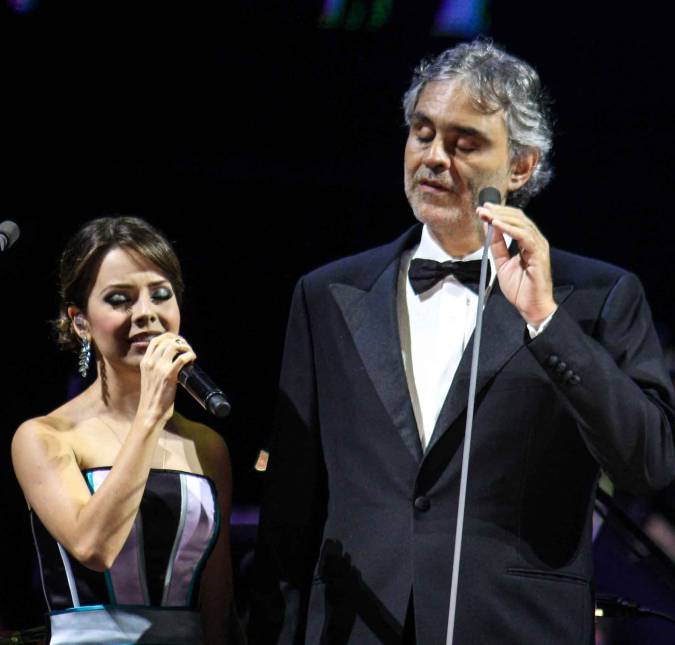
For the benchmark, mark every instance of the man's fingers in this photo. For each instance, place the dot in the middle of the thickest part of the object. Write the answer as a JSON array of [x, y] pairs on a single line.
[[529, 239], [506, 214], [498, 246]]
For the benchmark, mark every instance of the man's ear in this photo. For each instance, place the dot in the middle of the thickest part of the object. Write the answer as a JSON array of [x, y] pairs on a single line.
[[522, 168], [79, 321]]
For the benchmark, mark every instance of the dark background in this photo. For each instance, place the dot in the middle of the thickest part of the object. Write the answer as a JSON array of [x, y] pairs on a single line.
[[263, 145]]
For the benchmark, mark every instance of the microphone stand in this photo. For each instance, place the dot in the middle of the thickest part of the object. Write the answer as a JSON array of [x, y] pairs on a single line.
[[467, 438]]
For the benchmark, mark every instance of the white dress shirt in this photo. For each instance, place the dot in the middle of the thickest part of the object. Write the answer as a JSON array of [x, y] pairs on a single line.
[[435, 327]]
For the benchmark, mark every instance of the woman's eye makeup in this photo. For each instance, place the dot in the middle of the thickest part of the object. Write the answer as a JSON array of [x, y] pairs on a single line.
[[162, 293], [116, 298]]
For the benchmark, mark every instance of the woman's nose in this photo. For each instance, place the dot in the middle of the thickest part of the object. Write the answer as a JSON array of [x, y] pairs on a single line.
[[144, 310]]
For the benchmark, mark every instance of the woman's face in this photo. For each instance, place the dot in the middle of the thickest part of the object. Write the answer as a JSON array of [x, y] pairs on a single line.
[[130, 302]]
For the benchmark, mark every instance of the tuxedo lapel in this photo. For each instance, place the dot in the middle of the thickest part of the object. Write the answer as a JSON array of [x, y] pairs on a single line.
[[504, 333], [371, 316]]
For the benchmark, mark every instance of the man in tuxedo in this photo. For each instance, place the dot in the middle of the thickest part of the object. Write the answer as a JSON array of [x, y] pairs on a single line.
[[358, 521]]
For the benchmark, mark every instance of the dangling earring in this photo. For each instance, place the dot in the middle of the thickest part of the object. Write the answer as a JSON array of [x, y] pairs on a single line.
[[85, 357]]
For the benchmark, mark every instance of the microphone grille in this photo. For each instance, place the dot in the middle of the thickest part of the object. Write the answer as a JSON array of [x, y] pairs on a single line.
[[489, 194], [10, 230]]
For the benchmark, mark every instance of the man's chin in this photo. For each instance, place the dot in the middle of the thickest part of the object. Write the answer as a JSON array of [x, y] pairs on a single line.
[[436, 217]]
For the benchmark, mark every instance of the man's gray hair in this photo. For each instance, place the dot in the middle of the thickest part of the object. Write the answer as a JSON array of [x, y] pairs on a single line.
[[496, 80]]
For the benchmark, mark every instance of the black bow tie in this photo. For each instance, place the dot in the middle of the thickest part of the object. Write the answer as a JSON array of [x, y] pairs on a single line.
[[424, 274]]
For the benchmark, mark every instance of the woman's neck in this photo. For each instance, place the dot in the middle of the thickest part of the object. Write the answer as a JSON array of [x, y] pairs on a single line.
[[118, 390]]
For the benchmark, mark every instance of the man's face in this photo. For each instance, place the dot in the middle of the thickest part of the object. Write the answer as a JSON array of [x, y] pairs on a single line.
[[453, 151]]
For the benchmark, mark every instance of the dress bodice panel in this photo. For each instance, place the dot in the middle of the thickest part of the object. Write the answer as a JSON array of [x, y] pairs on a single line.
[[162, 559]]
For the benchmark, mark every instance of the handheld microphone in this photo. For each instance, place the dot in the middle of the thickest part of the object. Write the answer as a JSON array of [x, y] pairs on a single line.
[[9, 233], [204, 390]]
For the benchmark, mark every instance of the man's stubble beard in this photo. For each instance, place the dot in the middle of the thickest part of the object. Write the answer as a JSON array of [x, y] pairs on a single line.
[[458, 217]]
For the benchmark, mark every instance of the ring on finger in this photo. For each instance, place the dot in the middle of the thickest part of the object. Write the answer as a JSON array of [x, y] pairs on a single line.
[[180, 341]]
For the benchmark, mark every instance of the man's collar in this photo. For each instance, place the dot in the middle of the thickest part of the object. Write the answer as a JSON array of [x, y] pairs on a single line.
[[430, 248]]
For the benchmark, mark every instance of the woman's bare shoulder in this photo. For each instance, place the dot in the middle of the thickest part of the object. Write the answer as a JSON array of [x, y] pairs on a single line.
[[43, 442], [56, 427], [55, 422]]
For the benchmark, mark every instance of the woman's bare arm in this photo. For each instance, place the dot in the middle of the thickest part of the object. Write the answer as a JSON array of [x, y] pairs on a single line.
[[94, 528]]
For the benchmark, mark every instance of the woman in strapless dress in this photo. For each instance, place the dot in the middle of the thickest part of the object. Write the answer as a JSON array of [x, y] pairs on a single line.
[[129, 501]]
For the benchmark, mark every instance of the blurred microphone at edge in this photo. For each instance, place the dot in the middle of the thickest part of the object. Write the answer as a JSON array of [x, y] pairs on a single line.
[[9, 233]]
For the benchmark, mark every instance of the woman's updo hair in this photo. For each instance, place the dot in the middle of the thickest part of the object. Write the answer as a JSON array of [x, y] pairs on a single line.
[[82, 257]]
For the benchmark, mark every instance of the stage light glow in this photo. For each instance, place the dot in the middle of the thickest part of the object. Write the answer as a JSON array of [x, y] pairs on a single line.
[[464, 18], [22, 6], [355, 15], [332, 12], [381, 13]]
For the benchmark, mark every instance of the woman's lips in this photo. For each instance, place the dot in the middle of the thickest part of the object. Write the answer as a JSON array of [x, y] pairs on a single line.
[[140, 344], [141, 341]]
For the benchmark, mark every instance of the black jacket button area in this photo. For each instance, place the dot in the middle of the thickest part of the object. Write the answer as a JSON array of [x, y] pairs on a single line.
[[569, 375], [422, 503], [561, 367], [574, 380], [552, 360]]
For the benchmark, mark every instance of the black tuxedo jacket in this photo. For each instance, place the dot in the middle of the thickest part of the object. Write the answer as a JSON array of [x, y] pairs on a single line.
[[356, 517]]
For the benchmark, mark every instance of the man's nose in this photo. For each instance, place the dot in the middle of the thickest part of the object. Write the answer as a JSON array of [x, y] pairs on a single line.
[[436, 157]]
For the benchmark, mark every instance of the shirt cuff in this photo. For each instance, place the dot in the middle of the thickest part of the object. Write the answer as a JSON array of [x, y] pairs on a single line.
[[535, 331]]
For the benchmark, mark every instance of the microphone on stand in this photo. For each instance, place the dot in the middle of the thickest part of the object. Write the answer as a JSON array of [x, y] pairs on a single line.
[[204, 390], [492, 195], [489, 194], [9, 233]]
